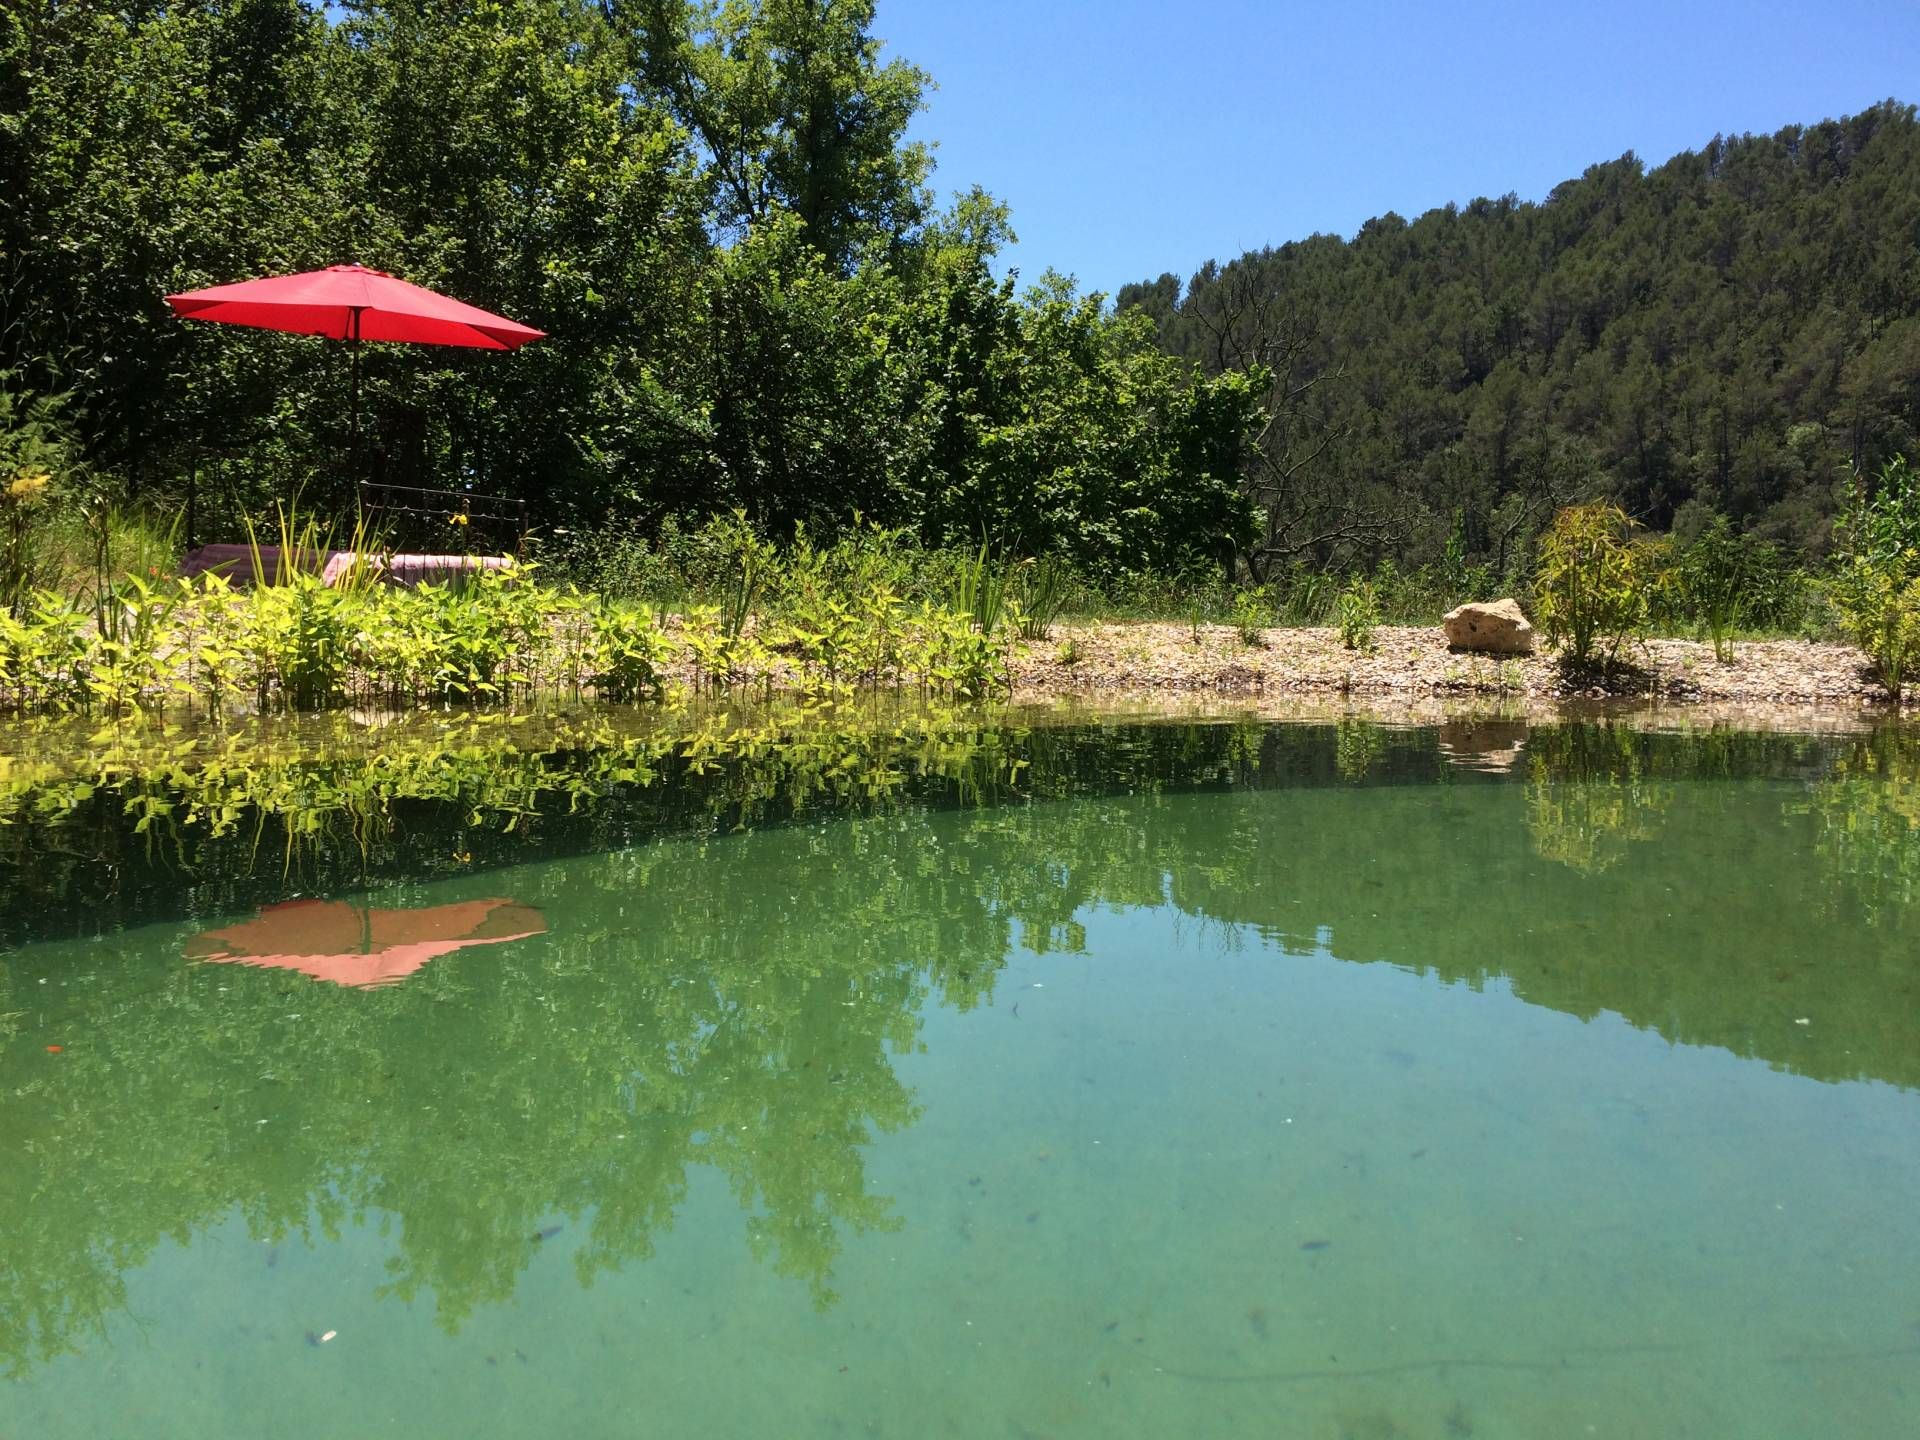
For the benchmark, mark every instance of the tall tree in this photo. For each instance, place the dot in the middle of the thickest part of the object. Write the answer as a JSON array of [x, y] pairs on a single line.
[[795, 110]]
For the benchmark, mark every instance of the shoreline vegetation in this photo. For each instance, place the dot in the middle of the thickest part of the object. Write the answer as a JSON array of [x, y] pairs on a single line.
[[871, 613], [583, 649]]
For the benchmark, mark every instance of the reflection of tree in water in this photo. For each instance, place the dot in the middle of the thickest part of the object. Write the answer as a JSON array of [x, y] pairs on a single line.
[[1589, 797], [697, 1003], [713, 1001], [1867, 813]]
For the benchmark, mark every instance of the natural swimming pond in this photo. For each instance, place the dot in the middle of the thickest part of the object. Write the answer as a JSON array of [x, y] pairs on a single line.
[[965, 1078]]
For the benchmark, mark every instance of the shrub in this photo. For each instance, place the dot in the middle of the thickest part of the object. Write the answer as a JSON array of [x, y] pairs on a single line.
[[39, 452], [1252, 613], [1717, 577], [1880, 602], [1358, 612], [1590, 586], [1882, 527], [1877, 590]]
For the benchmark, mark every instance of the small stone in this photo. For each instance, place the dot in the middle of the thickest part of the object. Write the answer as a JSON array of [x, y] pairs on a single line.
[[1498, 628]]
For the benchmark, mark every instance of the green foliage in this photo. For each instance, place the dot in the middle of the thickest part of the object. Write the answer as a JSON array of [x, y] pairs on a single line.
[[629, 651], [713, 209], [792, 101], [1877, 588], [38, 458], [1252, 613], [1043, 595], [1357, 612], [983, 590], [1881, 524], [132, 624], [1590, 586], [1881, 603], [1064, 430], [1719, 577], [1736, 327], [45, 656], [1308, 596]]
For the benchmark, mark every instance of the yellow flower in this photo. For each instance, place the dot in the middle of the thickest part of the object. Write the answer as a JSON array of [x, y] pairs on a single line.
[[27, 484], [458, 519]]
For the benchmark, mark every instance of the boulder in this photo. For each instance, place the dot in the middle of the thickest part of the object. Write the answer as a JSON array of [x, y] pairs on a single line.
[[1498, 628]]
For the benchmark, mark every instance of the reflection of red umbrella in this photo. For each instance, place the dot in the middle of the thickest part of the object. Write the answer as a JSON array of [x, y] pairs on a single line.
[[348, 945], [353, 303]]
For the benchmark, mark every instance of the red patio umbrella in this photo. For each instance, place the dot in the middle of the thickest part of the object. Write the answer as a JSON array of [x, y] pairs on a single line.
[[353, 303]]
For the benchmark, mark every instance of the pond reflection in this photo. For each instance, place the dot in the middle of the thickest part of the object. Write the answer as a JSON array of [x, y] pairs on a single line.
[[725, 989], [360, 947]]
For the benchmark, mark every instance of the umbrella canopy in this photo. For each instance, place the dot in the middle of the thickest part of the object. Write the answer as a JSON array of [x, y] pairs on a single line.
[[351, 302], [348, 945]]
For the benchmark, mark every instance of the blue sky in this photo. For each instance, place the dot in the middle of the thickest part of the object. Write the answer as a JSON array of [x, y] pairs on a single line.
[[1136, 136]]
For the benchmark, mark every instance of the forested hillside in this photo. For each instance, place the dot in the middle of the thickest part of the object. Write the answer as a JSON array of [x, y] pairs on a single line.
[[1737, 330]]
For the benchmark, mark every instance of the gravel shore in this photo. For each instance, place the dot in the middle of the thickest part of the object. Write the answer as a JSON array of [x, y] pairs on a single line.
[[1153, 658]]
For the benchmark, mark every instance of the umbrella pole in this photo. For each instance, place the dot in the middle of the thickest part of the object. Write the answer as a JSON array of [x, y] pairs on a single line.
[[353, 370]]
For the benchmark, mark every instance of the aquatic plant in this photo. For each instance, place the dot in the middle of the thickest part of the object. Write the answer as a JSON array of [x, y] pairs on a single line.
[[982, 590], [1043, 594], [628, 651], [45, 654]]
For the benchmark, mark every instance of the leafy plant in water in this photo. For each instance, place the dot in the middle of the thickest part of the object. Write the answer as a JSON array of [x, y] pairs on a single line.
[[720, 654], [213, 637], [629, 649], [133, 623], [750, 559], [303, 629], [44, 654]]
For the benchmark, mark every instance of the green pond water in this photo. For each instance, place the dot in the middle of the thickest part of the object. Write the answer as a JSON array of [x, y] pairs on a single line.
[[981, 1080]]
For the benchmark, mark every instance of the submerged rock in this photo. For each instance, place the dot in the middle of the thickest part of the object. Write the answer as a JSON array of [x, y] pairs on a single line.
[[1499, 628]]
